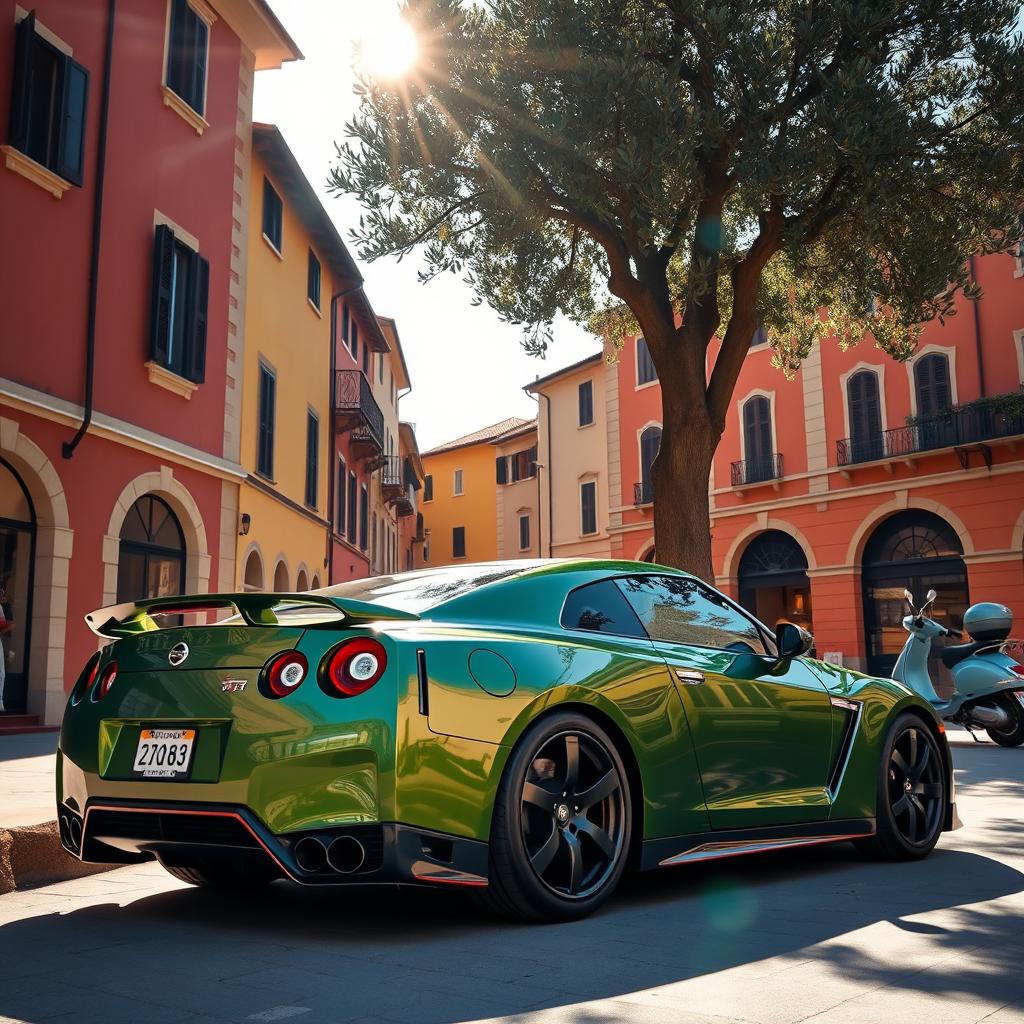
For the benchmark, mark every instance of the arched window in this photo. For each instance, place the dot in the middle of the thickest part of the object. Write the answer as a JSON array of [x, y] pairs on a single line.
[[645, 371], [301, 583], [865, 416], [649, 556], [253, 571], [931, 382], [918, 551], [773, 580], [281, 584], [315, 583], [650, 443], [152, 557], [757, 440]]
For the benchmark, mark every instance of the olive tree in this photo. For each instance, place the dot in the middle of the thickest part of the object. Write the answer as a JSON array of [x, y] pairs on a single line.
[[688, 169]]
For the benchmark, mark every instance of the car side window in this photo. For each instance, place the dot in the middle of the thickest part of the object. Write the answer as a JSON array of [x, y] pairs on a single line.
[[601, 608], [680, 610]]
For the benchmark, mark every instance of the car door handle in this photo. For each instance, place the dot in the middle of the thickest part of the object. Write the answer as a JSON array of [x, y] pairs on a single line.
[[690, 676]]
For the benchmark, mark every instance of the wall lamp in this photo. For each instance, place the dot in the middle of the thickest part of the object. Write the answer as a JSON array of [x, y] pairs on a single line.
[[245, 524]]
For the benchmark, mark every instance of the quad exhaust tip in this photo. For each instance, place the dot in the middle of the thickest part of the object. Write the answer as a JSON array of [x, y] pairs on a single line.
[[70, 831], [310, 854], [346, 855]]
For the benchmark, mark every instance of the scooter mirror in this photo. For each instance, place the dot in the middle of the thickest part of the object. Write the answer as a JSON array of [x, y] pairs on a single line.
[[930, 596], [908, 597]]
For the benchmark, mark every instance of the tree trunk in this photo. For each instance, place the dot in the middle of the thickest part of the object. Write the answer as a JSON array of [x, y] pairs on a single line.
[[680, 474]]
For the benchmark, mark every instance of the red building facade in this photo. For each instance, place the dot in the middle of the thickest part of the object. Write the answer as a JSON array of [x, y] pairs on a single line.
[[833, 491], [122, 192]]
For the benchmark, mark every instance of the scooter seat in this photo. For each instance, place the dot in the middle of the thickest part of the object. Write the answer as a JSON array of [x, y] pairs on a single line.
[[959, 652]]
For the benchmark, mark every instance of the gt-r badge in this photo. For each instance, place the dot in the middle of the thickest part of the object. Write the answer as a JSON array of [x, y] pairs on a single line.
[[177, 654], [232, 685]]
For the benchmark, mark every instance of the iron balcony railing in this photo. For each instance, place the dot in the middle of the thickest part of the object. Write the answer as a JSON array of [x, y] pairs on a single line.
[[643, 493], [391, 475], [356, 409], [758, 470], [947, 430]]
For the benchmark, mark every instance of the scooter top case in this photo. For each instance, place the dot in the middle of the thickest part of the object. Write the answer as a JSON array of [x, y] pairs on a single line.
[[988, 621]]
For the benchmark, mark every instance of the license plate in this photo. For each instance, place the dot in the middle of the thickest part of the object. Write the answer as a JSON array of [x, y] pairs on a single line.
[[164, 754]]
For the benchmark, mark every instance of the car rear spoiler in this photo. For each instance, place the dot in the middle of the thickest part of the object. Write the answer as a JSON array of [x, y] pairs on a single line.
[[256, 609]]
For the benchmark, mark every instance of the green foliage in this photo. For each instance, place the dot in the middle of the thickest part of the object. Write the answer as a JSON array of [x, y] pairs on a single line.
[[1010, 405], [636, 164]]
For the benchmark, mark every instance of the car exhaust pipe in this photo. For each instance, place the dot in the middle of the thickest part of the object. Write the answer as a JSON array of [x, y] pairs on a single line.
[[989, 717], [346, 855], [65, 830], [75, 833], [310, 854]]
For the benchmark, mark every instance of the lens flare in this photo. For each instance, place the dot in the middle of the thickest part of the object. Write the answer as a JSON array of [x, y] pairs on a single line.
[[387, 47]]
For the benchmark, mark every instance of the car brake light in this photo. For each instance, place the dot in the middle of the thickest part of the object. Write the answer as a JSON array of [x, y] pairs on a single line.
[[1017, 670], [107, 677], [354, 667], [285, 673]]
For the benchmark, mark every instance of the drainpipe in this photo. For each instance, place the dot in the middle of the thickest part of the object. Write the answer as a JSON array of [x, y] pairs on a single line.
[[332, 471], [977, 335], [551, 522], [68, 448]]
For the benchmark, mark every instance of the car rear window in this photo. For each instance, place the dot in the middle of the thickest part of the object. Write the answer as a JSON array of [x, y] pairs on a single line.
[[417, 591], [600, 608]]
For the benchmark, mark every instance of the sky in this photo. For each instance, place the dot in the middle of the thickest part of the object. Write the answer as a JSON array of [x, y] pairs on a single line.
[[468, 368]]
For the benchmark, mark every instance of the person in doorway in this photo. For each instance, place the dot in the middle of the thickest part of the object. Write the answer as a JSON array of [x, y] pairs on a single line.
[[5, 627]]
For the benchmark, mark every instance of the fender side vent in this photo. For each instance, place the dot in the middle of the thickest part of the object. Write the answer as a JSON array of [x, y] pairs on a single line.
[[850, 710], [421, 676]]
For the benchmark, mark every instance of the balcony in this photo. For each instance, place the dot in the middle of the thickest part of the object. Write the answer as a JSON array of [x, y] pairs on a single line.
[[394, 484], [357, 413], [965, 430], [643, 493], [761, 470]]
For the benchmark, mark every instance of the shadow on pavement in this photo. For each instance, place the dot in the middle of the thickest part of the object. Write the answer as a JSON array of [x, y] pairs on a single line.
[[432, 958]]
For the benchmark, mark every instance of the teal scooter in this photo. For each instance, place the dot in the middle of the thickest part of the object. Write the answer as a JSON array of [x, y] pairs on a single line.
[[988, 682]]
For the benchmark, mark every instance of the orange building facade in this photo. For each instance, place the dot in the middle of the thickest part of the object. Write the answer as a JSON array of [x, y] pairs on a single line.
[[833, 491]]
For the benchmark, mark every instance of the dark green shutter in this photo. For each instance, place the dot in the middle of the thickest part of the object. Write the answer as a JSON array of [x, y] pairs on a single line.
[[501, 468], [21, 100], [199, 294], [160, 308], [71, 131]]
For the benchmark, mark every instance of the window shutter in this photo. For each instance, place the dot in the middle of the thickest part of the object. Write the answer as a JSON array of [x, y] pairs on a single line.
[[201, 35], [501, 466], [199, 292], [71, 142], [21, 107], [160, 312]]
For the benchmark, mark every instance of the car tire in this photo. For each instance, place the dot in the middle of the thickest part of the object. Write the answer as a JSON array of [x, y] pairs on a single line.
[[223, 875], [560, 832], [1014, 735], [912, 793]]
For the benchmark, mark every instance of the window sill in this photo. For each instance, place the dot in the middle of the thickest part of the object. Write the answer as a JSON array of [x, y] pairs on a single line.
[[35, 172], [647, 384], [583, 426], [168, 379], [313, 306], [273, 248], [266, 479], [183, 110]]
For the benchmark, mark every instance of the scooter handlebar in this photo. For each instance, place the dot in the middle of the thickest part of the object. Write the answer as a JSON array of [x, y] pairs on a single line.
[[954, 633]]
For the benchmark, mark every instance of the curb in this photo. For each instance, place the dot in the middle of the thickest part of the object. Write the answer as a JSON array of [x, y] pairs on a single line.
[[32, 855]]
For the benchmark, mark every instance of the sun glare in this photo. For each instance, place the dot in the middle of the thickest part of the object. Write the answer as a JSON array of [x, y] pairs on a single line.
[[387, 46]]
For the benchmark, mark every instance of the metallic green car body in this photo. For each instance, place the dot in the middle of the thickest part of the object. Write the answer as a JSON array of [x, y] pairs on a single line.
[[758, 750]]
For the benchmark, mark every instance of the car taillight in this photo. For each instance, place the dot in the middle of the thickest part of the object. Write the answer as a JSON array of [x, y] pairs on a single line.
[[107, 677], [86, 679], [354, 667], [1017, 670], [285, 673]]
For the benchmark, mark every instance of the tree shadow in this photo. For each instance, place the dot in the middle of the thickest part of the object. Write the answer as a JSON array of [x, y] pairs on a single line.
[[340, 955]]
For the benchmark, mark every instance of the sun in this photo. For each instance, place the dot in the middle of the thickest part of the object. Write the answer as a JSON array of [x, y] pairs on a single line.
[[387, 46]]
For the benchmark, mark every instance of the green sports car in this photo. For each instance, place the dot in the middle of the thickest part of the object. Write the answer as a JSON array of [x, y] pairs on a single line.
[[529, 729]]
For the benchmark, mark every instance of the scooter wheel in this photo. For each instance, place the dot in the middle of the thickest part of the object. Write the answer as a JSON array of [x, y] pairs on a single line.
[[1013, 735], [912, 793]]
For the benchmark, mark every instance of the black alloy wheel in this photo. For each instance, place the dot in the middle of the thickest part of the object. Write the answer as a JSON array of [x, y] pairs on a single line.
[[561, 829], [573, 815], [912, 793]]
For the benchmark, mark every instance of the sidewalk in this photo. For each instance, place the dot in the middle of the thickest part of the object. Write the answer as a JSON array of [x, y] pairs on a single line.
[[30, 850]]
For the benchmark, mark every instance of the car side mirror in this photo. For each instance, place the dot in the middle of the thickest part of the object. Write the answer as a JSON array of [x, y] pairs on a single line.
[[792, 641]]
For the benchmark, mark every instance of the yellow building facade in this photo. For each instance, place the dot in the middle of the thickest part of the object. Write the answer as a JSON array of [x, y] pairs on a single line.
[[286, 386], [459, 502]]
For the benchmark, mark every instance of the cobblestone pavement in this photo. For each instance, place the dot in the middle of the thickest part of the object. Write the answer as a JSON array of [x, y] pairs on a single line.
[[815, 935]]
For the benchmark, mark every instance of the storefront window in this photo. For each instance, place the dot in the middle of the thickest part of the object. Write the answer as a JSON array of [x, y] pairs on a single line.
[[17, 539], [152, 562], [773, 580]]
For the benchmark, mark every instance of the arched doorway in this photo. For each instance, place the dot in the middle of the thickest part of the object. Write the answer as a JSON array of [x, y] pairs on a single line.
[[773, 580], [919, 551], [253, 579], [281, 584], [152, 554], [301, 584], [17, 558]]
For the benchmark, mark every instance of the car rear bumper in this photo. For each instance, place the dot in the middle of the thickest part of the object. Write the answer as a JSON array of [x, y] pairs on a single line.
[[182, 834]]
